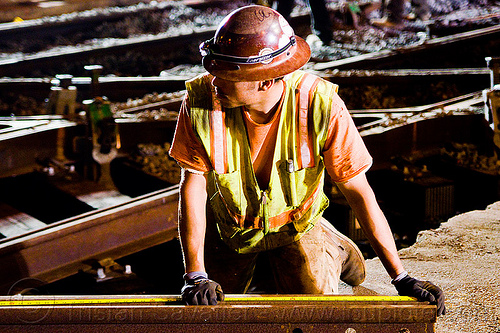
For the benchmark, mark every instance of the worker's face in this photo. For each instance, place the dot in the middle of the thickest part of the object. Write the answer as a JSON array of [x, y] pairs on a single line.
[[234, 94]]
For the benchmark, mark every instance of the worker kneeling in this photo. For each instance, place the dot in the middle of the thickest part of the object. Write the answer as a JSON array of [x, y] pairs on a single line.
[[254, 138]]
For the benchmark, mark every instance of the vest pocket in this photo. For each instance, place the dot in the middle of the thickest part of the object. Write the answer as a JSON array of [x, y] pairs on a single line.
[[297, 185], [228, 187]]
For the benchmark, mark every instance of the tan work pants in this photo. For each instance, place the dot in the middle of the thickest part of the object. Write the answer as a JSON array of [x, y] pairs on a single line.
[[311, 265]]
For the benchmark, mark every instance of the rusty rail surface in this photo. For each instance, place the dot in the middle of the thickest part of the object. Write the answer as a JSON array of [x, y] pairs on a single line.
[[340, 314], [60, 249], [115, 88], [433, 53], [122, 88], [55, 25]]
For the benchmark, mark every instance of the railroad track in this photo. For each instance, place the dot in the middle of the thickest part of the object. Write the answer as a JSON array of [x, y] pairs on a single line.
[[73, 22], [462, 50], [111, 232], [453, 60], [117, 30], [408, 68], [122, 88], [148, 54]]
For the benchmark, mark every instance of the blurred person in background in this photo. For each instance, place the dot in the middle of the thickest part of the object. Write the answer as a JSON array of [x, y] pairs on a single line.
[[321, 24]]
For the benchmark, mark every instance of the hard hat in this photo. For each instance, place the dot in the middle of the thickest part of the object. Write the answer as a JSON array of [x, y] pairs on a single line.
[[254, 43]]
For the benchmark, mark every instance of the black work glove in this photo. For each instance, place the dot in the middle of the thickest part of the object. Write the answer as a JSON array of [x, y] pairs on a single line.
[[200, 290], [422, 290]]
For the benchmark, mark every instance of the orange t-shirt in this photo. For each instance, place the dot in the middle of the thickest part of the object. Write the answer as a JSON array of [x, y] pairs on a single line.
[[344, 153], [261, 153]]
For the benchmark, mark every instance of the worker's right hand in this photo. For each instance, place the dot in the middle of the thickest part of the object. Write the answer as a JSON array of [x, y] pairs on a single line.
[[200, 290]]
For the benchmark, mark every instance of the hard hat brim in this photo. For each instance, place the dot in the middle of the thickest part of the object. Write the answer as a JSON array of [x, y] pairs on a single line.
[[293, 60]]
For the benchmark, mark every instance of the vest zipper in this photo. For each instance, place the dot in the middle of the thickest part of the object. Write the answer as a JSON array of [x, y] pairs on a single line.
[[265, 214], [293, 185]]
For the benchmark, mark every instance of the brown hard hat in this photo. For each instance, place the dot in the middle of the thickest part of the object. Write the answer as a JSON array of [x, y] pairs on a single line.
[[254, 43]]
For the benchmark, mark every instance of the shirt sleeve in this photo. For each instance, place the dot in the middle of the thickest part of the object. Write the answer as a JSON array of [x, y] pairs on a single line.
[[187, 148], [345, 154]]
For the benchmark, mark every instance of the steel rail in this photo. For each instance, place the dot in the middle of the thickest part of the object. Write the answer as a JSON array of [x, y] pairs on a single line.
[[111, 232], [123, 88], [19, 66], [54, 25], [394, 58], [457, 103], [278, 313]]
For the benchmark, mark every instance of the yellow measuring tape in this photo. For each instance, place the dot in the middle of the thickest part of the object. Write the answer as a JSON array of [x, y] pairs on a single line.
[[318, 298], [72, 300]]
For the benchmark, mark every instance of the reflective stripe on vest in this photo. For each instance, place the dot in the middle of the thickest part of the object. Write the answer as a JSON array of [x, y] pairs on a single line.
[[304, 91], [218, 137], [281, 219]]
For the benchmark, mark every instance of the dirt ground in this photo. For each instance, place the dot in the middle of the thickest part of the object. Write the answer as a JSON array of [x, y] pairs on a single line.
[[462, 256]]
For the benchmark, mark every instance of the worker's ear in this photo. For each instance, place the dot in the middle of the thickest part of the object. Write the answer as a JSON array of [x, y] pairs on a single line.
[[265, 85]]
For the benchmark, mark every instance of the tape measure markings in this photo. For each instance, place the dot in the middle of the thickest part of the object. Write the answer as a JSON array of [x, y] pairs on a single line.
[[32, 301]]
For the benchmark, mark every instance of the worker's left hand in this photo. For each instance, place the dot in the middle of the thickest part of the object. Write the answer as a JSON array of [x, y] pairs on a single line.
[[423, 291], [201, 291]]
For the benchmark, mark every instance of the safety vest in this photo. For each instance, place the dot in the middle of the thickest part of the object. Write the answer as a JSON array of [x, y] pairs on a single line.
[[250, 219]]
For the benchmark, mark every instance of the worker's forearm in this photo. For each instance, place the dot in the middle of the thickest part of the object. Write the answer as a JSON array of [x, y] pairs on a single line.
[[371, 218], [379, 234], [192, 242], [192, 220]]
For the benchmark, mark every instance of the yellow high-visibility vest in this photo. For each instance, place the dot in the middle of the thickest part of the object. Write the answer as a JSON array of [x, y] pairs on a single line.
[[250, 219]]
